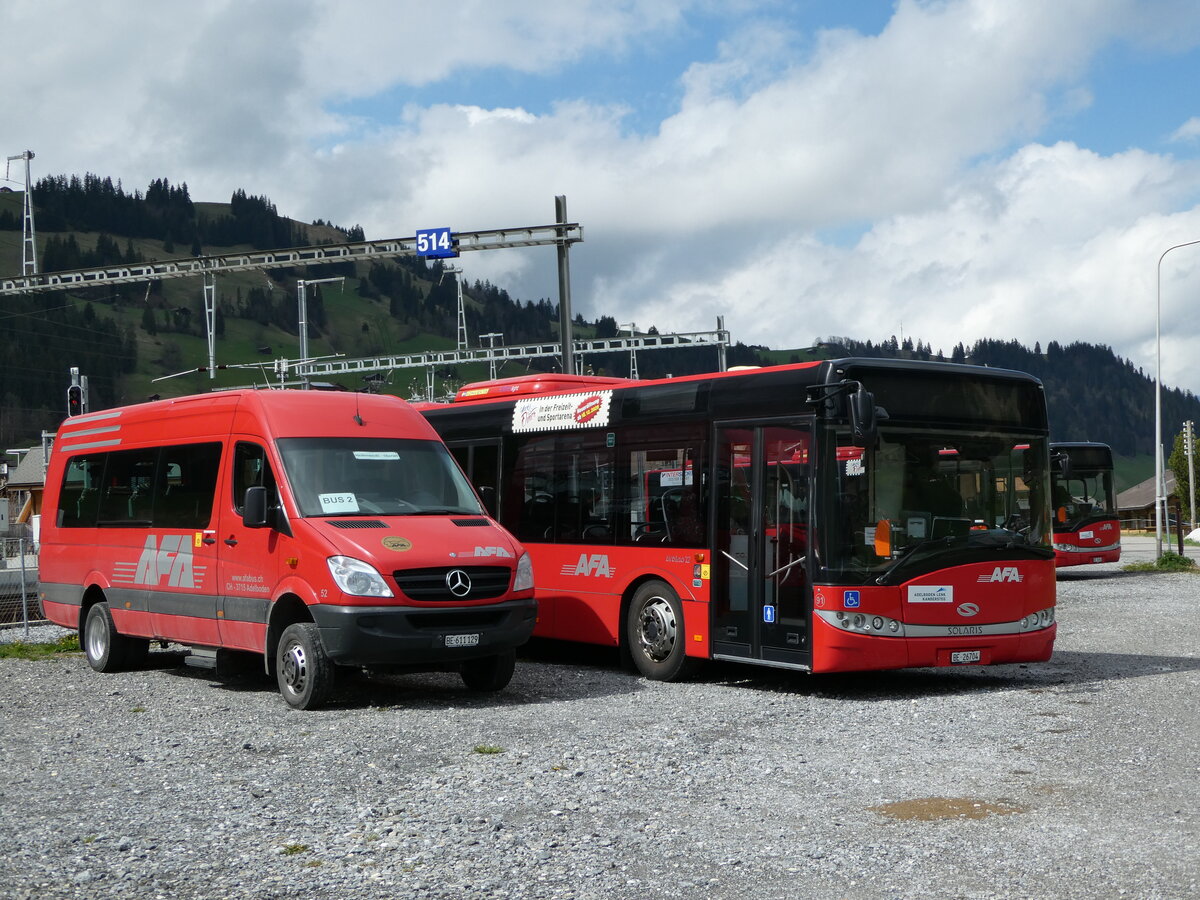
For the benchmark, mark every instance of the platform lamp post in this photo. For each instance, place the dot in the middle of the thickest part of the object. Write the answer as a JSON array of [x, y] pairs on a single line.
[[1160, 487]]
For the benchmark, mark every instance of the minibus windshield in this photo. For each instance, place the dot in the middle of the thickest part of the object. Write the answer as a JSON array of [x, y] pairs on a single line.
[[346, 476]]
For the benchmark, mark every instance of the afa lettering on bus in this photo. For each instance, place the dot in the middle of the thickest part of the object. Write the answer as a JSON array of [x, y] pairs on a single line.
[[172, 559], [594, 565]]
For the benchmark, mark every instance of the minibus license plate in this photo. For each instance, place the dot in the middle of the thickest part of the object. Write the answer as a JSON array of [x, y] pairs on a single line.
[[960, 656], [470, 640]]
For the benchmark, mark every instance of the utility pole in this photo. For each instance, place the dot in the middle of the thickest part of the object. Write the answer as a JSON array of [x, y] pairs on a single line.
[[302, 325], [491, 337], [28, 237], [1189, 447], [462, 316], [632, 329]]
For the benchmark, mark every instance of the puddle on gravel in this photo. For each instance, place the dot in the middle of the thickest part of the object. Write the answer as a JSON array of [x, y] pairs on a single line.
[[932, 809]]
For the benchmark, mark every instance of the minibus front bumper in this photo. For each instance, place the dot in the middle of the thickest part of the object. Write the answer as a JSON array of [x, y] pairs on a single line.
[[422, 636]]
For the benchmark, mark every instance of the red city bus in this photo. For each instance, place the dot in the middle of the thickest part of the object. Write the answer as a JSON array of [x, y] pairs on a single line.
[[1086, 527], [318, 529], [844, 515]]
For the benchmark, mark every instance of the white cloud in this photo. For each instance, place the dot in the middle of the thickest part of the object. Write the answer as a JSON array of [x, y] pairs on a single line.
[[1188, 131], [921, 137]]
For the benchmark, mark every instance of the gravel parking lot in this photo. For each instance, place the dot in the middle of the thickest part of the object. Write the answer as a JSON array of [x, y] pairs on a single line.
[[1074, 778]]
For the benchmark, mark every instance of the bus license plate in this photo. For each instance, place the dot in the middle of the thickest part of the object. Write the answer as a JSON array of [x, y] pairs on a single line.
[[964, 656], [468, 640]]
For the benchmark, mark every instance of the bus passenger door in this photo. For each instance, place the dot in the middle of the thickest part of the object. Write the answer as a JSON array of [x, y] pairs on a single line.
[[250, 557], [761, 591]]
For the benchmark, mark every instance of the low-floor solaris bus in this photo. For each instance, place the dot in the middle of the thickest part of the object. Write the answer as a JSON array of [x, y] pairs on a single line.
[[321, 530], [843, 515], [1086, 526]]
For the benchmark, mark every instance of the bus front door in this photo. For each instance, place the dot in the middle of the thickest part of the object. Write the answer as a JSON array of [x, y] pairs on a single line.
[[761, 591]]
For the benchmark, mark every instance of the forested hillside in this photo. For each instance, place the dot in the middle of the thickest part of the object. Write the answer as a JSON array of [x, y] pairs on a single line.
[[124, 337]]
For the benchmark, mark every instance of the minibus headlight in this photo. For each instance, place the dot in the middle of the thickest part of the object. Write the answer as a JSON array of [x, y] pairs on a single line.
[[523, 581], [356, 577]]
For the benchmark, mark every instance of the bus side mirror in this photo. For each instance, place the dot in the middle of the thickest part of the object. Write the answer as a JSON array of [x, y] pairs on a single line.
[[864, 417], [1064, 464], [254, 507]]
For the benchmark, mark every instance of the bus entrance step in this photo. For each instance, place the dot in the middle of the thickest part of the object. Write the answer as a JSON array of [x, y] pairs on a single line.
[[202, 658]]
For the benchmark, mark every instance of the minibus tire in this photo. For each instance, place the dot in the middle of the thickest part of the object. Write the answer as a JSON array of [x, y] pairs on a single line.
[[489, 673], [303, 670], [104, 647], [654, 633]]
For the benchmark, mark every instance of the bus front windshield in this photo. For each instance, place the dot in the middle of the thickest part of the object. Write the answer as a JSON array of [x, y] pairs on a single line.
[[375, 477], [1086, 497], [921, 500]]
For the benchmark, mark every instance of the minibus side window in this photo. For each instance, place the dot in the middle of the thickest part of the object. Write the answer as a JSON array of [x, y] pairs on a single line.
[[127, 496], [187, 485], [80, 493], [251, 468]]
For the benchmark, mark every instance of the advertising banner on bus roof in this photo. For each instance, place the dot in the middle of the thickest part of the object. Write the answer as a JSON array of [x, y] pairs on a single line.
[[562, 411]]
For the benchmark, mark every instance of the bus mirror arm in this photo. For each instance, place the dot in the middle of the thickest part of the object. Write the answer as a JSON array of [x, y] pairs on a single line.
[[864, 415]]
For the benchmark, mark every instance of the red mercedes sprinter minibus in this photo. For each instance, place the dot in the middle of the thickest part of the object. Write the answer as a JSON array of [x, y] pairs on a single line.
[[319, 529]]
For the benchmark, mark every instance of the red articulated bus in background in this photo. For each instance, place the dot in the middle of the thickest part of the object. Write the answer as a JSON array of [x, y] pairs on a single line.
[[317, 529], [1086, 527], [844, 515]]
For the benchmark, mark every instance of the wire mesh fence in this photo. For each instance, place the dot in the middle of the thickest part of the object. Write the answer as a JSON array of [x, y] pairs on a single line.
[[19, 606]]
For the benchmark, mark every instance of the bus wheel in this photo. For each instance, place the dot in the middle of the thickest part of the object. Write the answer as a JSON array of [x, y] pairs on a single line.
[[304, 673], [654, 630], [105, 648], [490, 673]]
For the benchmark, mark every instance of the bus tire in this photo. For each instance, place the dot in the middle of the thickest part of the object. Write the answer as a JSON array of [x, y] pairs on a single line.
[[303, 670], [489, 673], [106, 649], [654, 633]]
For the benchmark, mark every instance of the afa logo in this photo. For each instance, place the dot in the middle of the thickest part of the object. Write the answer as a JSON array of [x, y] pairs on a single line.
[[1003, 573], [595, 565], [172, 559]]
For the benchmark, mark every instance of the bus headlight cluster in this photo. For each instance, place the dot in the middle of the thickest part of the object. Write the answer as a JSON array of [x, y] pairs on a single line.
[[523, 580], [1043, 618], [356, 577], [863, 623]]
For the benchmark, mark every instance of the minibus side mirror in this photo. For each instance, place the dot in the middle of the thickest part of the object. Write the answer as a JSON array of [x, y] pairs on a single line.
[[254, 507], [864, 417]]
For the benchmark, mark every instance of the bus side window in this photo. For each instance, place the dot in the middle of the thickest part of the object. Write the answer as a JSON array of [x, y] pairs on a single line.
[[127, 497], [80, 494], [187, 485], [251, 468], [666, 505]]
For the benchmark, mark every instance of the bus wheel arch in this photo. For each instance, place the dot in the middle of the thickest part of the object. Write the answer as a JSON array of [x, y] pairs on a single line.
[[652, 631], [286, 611], [104, 647]]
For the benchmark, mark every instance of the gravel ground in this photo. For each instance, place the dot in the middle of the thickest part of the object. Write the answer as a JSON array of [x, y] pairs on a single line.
[[1076, 778]]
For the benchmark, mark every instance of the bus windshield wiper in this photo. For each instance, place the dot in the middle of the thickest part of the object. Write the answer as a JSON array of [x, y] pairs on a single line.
[[910, 553]]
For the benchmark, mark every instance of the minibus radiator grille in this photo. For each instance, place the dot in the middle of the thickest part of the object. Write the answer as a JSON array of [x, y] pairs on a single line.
[[356, 523], [470, 523], [436, 583]]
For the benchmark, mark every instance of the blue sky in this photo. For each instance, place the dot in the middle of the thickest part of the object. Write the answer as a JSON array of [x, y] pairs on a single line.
[[949, 169]]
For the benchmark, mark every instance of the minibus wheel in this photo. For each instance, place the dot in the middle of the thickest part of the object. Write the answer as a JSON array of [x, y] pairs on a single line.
[[489, 673], [105, 648], [654, 632], [303, 671]]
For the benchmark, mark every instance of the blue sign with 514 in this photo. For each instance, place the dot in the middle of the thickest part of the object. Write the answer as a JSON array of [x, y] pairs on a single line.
[[435, 243]]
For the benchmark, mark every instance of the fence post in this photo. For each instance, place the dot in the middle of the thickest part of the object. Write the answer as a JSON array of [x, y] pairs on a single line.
[[24, 596]]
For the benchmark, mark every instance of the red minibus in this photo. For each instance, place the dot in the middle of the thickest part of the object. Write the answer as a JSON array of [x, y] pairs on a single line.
[[1086, 527], [852, 514], [319, 529]]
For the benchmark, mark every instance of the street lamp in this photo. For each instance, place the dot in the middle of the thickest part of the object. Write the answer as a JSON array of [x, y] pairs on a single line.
[[1160, 487]]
